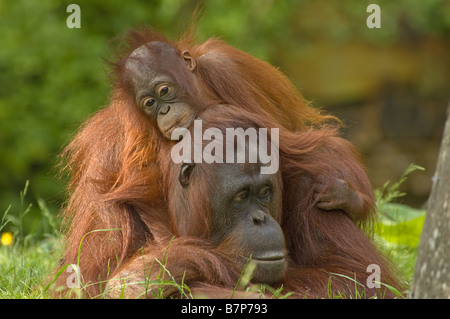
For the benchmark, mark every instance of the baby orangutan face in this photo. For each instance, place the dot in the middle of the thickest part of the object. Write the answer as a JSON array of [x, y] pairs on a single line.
[[162, 84]]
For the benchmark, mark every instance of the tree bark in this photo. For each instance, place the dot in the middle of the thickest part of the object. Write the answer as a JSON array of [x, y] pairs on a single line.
[[432, 271]]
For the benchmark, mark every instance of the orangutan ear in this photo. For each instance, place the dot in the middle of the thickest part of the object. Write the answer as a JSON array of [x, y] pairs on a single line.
[[185, 173], [190, 62]]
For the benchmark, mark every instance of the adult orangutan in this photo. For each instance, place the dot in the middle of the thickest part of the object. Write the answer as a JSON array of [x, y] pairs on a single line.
[[113, 160], [222, 214]]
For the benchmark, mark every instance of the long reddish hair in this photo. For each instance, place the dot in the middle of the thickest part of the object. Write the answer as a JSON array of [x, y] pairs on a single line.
[[117, 185]]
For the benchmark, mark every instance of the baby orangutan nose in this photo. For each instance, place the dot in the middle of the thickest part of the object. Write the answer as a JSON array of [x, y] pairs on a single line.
[[164, 109]]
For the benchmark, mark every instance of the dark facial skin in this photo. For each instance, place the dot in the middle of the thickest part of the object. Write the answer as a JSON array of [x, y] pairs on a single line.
[[149, 71], [245, 205]]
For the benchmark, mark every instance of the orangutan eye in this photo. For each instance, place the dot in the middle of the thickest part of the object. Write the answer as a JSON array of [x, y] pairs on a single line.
[[266, 191], [163, 90], [241, 196], [148, 102]]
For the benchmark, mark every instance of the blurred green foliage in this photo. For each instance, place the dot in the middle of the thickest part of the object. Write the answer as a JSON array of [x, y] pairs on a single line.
[[52, 77], [398, 227]]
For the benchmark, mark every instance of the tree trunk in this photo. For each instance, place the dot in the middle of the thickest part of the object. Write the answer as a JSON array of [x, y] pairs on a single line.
[[432, 272]]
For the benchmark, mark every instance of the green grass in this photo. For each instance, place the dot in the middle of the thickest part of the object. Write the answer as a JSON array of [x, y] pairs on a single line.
[[26, 264], [24, 269]]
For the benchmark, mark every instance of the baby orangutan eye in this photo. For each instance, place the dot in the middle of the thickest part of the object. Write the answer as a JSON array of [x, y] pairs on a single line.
[[163, 90], [148, 102]]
